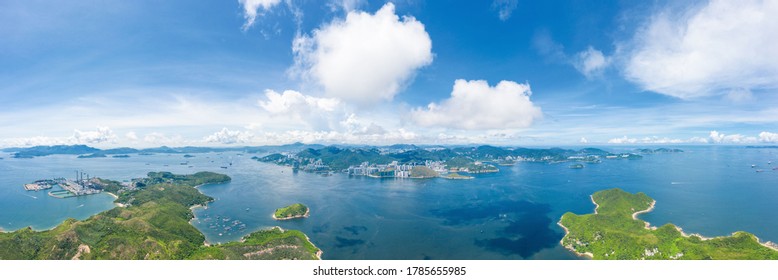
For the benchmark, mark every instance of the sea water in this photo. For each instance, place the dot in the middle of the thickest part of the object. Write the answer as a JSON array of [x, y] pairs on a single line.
[[711, 190]]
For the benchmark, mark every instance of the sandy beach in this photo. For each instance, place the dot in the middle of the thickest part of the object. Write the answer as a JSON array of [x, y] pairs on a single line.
[[650, 208], [596, 206]]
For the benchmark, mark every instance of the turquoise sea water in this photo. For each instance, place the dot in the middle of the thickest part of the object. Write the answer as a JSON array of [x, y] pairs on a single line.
[[711, 190]]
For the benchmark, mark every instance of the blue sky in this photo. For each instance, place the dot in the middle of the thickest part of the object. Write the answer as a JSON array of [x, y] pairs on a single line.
[[507, 72]]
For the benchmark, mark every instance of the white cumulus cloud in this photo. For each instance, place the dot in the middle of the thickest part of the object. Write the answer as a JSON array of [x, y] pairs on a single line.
[[365, 58], [591, 62], [654, 140], [251, 9], [226, 136], [161, 138], [33, 141], [475, 105], [720, 46], [131, 135], [583, 140], [292, 105], [718, 137], [623, 140], [355, 125], [102, 134], [291, 101], [768, 137]]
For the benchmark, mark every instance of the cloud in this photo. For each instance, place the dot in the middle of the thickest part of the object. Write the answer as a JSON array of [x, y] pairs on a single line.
[[583, 140], [354, 125], [475, 105], [346, 5], [389, 137], [102, 134], [707, 51], [655, 140], [251, 9], [226, 136], [295, 102], [645, 140], [505, 8], [366, 58], [313, 111], [714, 137], [768, 137], [740, 95], [131, 136], [162, 139], [544, 44], [717, 137], [33, 141], [591, 62]]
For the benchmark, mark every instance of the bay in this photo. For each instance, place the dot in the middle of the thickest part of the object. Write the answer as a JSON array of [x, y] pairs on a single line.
[[711, 190]]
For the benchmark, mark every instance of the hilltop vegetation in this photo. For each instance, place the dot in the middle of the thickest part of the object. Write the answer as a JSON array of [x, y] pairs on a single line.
[[154, 225], [612, 233], [271, 244], [297, 210]]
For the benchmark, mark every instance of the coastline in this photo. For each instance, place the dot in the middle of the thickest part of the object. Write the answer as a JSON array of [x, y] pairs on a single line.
[[193, 207], [650, 208], [308, 238], [570, 248], [768, 244], [306, 215], [115, 197]]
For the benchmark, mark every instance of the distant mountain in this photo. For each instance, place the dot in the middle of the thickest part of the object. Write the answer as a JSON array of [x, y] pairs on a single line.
[[38, 151], [87, 152], [347, 155], [338, 158], [120, 151]]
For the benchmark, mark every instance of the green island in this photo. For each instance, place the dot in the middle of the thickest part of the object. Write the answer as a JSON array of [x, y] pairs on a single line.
[[614, 232], [297, 210], [152, 222], [456, 176]]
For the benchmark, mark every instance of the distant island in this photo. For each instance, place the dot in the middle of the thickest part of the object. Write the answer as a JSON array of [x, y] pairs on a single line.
[[39, 151], [294, 211], [92, 155], [151, 222], [410, 161], [614, 232]]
